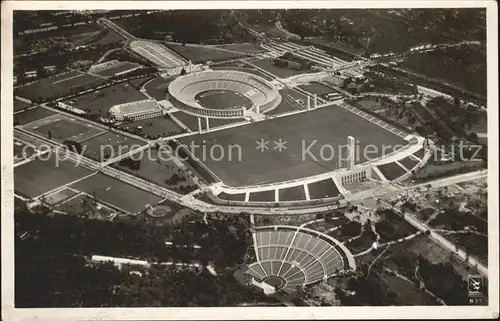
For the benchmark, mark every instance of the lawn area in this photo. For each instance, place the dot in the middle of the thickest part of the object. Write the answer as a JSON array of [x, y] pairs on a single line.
[[292, 100], [391, 171], [22, 151], [57, 86], [61, 127], [154, 166], [232, 197], [109, 37], [268, 65], [20, 105], [370, 104], [318, 89], [158, 88], [323, 189], [109, 145], [100, 101], [200, 54], [121, 67], [31, 115], [265, 196], [305, 134], [153, 127], [40, 176], [117, 193], [295, 193]]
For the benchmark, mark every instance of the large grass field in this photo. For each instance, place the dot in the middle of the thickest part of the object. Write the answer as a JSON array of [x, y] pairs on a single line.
[[40, 176], [109, 145], [30, 115], [117, 193], [199, 54], [222, 99], [57, 86], [268, 65], [155, 167], [326, 129], [100, 101], [61, 127]]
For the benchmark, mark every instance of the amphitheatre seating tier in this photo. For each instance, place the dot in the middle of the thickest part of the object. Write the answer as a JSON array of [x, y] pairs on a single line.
[[185, 88], [297, 256]]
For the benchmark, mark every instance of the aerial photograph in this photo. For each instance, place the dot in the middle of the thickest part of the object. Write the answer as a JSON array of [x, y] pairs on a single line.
[[250, 158]]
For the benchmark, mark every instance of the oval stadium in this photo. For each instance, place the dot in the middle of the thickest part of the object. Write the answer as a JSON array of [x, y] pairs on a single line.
[[241, 92], [288, 257]]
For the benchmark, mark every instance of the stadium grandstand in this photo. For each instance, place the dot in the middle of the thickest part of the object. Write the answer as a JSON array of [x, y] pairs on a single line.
[[289, 257], [263, 95], [137, 110]]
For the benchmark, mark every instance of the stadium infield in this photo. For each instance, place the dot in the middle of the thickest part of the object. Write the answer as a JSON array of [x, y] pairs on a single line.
[[223, 99], [306, 136]]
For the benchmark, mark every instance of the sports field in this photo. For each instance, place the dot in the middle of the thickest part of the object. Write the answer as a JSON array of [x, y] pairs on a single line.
[[117, 193], [318, 89], [268, 65], [58, 86], [40, 176], [100, 101], [109, 145], [30, 115], [61, 127], [312, 146], [222, 99]]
